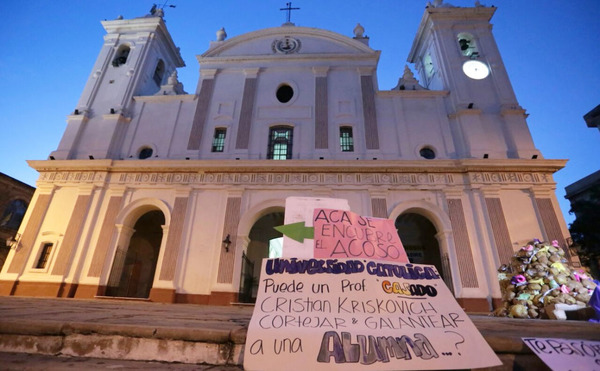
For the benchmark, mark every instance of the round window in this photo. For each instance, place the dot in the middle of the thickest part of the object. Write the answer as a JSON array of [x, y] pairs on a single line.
[[145, 153], [284, 93], [427, 153]]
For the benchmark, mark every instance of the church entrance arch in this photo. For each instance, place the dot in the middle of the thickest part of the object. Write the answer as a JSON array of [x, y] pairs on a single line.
[[262, 244], [134, 266], [418, 235]]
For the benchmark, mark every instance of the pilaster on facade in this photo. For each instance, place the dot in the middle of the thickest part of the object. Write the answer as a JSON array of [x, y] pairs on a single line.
[[236, 191], [94, 81], [453, 193], [541, 192], [44, 188], [116, 116], [208, 73], [230, 227], [547, 211], [241, 243], [108, 212], [321, 109], [489, 191], [513, 109], [365, 70], [117, 190], [322, 192], [378, 193], [82, 116], [491, 235], [75, 125], [124, 231], [320, 71], [462, 238], [171, 246], [251, 73], [463, 110], [113, 131], [379, 207], [182, 191], [445, 240]]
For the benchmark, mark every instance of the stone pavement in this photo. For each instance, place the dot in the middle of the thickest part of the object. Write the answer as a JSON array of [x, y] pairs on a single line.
[[66, 334], [124, 329], [42, 362]]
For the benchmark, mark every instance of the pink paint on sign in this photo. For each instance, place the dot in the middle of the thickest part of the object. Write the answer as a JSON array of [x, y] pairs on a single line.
[[344, 234]]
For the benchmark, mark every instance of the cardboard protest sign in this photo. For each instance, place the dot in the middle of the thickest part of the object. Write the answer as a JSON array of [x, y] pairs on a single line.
[[344, 234], [566, 354], [297, 232], [358, 314]]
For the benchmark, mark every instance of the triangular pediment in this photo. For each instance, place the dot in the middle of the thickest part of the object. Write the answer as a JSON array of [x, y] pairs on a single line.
[[288, 40]]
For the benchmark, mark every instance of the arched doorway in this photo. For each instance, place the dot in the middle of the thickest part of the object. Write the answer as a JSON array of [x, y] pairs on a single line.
[[261, 234], [417, 234], [133, 269]]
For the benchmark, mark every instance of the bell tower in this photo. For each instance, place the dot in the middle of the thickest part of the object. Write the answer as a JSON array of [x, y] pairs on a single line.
[[137, 57], [455, 50]]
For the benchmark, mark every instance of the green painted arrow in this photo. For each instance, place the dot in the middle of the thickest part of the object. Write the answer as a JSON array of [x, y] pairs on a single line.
[[296, 231]]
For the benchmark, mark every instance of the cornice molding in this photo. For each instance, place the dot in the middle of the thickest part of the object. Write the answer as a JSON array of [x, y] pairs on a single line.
[[521, 173], [412, 93], [293, 166], [165, 98], [243, 60]]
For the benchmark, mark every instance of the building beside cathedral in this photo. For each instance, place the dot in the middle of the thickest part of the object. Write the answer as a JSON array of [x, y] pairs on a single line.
[[14, 199], [161, 194]]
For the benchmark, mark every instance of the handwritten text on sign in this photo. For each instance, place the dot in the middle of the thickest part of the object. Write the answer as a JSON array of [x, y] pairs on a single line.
[[344, 234], [350, 314], [566, 354]]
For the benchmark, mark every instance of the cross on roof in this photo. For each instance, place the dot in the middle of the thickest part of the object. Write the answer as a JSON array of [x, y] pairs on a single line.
[[289, 10]]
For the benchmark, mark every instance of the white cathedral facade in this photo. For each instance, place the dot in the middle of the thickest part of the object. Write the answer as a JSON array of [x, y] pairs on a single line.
[[159, 194]]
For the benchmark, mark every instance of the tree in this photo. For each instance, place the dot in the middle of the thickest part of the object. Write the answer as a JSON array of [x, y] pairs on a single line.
[[585, 230]]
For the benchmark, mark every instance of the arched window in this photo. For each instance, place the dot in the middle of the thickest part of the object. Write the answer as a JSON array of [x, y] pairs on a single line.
[[467, 45], [280, 143], [159, 72], [121, 56], [428, 66], [13, 214]]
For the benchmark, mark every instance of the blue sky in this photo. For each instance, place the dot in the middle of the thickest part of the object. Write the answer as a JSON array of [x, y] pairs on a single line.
[[551, 50]]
